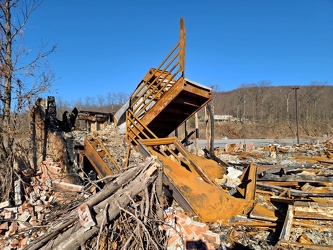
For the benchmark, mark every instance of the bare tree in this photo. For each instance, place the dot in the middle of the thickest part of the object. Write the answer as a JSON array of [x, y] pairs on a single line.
[[100, 100], [20, 83], [121, 98]]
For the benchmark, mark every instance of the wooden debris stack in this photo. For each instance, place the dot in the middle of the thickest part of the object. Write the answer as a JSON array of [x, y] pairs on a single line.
[[68, 220]]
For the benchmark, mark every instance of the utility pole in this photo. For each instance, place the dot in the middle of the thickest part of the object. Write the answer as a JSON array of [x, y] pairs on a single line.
[[296, 108]]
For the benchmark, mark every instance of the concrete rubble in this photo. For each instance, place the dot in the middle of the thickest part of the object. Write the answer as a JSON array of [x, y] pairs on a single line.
[[46, 200]]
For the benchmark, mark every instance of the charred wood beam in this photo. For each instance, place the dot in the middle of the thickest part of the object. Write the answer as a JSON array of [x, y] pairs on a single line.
[[108, 190], [262, 170], [280, 176], [211, 155], [72, 238], [185, 141], [293, 192]]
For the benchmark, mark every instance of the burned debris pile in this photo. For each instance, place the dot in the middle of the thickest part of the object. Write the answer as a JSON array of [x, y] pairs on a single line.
[[292, 202], [294, 196], [127, 181], [53, 217]]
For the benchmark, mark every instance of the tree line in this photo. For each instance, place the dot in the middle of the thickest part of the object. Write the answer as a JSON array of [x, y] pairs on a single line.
[[273, 106], [108, 103]]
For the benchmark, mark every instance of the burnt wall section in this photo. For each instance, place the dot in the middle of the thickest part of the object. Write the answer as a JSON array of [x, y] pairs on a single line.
[[49, 141]]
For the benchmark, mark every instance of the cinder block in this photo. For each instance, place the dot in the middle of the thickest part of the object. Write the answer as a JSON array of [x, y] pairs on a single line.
[[85, 217]]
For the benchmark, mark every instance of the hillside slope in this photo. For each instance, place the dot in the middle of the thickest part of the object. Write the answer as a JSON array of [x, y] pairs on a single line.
[[270, 112]]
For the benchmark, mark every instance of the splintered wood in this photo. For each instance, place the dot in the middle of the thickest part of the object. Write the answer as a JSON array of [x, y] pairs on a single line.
[[133, 197]]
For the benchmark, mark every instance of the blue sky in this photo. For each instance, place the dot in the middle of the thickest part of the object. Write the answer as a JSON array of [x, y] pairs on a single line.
[[108, 46]]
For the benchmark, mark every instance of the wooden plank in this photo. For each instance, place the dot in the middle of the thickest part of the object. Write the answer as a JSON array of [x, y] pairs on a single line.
[[285, 232], [320, 215], [297, 178], [294, 192], [281, 184]]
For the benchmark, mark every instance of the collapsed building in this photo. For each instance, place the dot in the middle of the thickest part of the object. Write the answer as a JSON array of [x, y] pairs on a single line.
[[127, 182]]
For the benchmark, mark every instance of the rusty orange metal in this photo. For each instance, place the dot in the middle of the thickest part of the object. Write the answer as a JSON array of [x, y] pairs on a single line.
[[163, 100], [209, 202], [210, 166], [95, 157]]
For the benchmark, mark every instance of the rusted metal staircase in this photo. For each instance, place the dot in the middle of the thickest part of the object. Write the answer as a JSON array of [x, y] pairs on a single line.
[[100, 157], [163, 100]]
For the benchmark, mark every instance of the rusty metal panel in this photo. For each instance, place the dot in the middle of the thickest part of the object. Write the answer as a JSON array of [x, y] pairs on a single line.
[[263, 213], [209, 202], [192, 162], [96, 160], [179, 103], [200, 196]]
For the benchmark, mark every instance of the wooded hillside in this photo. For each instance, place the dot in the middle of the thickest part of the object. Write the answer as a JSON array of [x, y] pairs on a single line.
[[267, 111], [260, 111]]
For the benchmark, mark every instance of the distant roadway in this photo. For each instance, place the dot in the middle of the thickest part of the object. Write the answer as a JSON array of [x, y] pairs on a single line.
[[257, 142]]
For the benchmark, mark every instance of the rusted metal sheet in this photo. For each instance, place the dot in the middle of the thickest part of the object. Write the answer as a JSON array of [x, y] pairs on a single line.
[[209, 202], [185, 96], [250, 175], [313, 159], [96, 160], [200, 196], [297, 178], [192, 164], [263, 213], [248, 187], [294, 192]]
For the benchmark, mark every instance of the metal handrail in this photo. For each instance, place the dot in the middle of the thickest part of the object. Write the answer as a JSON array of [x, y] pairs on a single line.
[[167, 73]]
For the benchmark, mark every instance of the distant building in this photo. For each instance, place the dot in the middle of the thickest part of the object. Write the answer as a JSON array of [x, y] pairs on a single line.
[[95, 120], [223, 118]]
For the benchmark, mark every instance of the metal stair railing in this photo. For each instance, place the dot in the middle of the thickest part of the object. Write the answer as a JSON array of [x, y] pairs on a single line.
[[167, 73]]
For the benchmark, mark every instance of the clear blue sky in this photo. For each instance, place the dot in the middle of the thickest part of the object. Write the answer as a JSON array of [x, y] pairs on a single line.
[[108, 46]]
